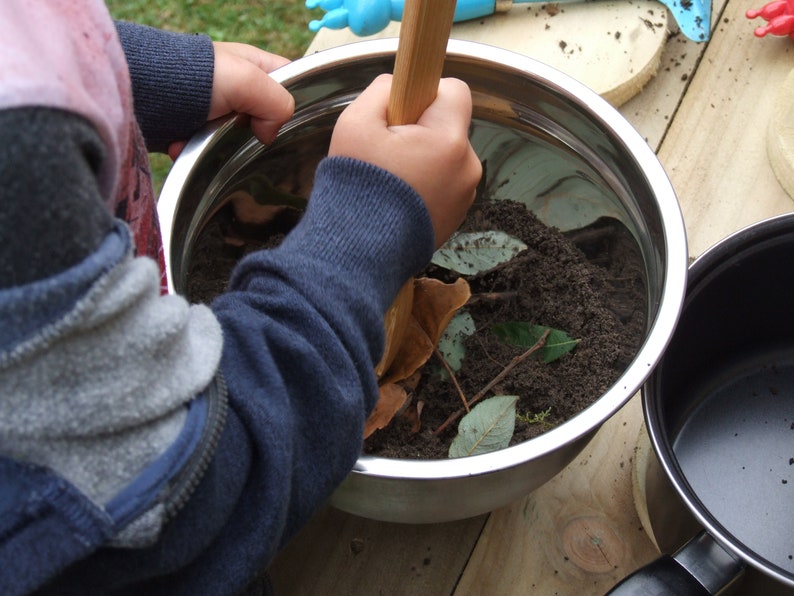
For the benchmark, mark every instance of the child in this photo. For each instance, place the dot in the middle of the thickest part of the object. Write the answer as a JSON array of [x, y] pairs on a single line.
[[146, 445]]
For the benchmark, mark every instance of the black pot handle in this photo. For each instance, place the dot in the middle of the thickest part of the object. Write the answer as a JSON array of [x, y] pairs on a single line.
[[701, 568]]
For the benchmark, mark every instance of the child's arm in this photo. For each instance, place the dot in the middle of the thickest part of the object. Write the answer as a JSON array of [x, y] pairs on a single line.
[[171, 76], [180, 81], [97, 367], [302, 330], [303, 324], [241, 84]]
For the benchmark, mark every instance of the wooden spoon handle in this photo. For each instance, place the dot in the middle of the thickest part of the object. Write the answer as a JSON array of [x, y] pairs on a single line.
[[424, 32]]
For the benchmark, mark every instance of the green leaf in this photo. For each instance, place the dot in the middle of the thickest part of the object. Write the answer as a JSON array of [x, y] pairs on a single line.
[[488, 427], [473, 252], [451, 343], [518, 333]]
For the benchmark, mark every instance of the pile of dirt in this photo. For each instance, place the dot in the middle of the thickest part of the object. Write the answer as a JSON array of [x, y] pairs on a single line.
[[589, 283]]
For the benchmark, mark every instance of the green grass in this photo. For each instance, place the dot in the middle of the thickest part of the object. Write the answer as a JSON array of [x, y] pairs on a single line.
[[278, 26]]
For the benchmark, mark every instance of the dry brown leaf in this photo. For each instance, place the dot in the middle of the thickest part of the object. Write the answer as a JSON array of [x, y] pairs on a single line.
[[390, 400], [396, 326], [415, 350], [435, 303]]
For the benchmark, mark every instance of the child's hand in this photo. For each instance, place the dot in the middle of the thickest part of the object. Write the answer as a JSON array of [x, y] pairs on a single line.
[[241, 84], [434, 156]]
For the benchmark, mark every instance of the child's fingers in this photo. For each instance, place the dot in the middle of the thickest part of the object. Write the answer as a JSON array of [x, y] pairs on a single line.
[[243, 86], [260, 58], [451, 109], [372, 103]]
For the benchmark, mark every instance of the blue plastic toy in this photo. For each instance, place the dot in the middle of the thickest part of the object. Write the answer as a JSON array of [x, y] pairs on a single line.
[[367, 17]]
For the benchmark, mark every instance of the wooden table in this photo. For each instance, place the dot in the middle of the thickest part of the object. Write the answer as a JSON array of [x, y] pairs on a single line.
[[705, 113]]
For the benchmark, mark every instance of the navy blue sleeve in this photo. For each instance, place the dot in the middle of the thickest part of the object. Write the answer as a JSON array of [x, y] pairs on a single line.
[[303, 331], [171, 77]]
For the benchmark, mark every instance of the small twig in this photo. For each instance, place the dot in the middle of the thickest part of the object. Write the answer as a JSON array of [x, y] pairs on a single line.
[[454, 380], [502, 374], [485, 350], [491, 297]]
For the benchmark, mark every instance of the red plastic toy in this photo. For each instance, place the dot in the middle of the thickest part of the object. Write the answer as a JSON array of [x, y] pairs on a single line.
[[779, 15]]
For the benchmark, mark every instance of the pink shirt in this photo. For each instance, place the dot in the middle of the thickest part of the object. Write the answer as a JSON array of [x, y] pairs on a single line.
[[81, 68]]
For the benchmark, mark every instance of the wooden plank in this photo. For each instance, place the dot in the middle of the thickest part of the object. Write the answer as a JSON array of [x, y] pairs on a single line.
[[652, 111], [715, 151], [342, 554], [614, 47], [579, 533]]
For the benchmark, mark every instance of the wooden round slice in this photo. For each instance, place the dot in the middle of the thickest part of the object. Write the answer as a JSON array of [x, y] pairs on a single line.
[[612, 47]]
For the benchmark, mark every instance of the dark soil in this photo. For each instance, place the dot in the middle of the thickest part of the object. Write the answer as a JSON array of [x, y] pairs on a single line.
[[588, 283]]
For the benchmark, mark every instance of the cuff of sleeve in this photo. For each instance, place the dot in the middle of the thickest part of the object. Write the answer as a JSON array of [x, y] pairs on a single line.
[[171, 75], [366, 223]]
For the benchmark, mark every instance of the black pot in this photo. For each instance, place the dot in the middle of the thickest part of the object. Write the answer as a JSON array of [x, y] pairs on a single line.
[[719, 410]]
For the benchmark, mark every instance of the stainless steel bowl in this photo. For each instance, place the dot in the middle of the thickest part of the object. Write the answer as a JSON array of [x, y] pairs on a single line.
[[549, 142]]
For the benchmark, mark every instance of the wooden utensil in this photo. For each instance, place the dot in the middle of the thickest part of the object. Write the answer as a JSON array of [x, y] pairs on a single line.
[[424, 32]]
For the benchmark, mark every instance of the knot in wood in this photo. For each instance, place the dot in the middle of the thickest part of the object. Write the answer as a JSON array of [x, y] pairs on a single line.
[[592, 545]]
